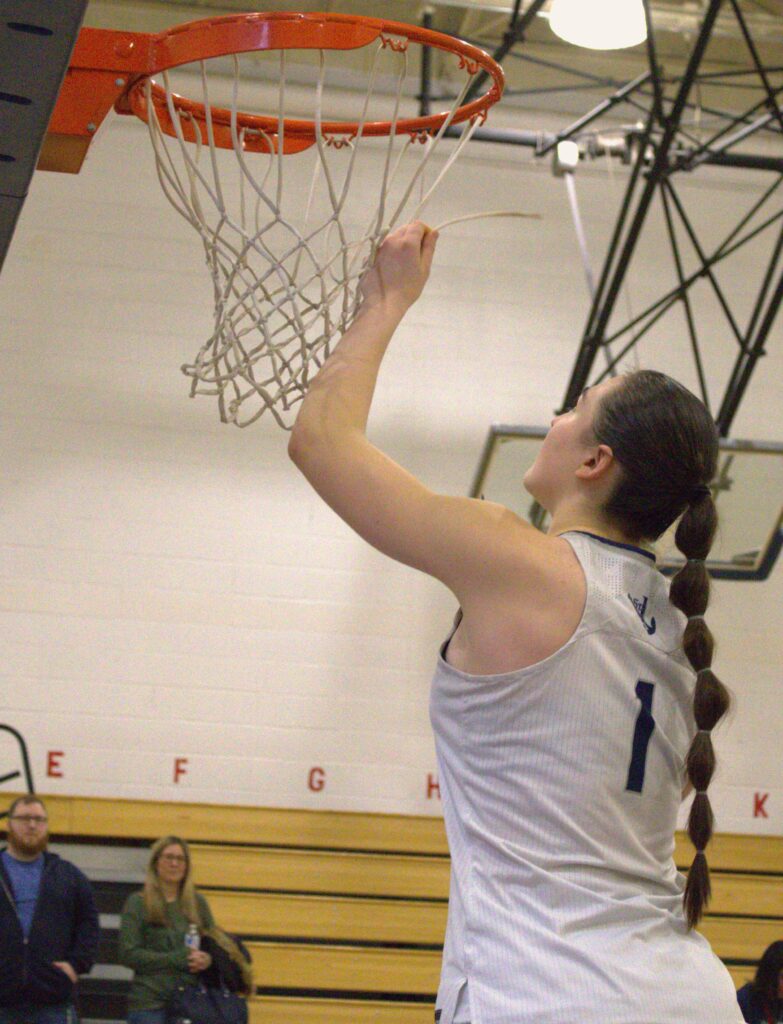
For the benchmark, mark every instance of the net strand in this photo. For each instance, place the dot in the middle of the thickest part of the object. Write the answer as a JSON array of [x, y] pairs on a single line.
[[486, 214]]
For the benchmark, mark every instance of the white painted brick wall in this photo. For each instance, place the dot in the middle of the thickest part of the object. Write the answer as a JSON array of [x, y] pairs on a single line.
[[170, 588]]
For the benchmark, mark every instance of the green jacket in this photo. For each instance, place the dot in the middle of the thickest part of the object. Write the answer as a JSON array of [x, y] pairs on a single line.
[[157, 953]]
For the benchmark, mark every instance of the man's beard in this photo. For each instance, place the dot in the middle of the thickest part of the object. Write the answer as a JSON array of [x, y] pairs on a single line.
[[31, 846]]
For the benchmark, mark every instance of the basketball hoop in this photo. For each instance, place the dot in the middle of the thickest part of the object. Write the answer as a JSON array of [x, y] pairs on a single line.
[[285, 271]]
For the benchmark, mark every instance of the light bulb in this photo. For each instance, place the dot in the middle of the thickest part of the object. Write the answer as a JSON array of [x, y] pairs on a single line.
[[599, 24]]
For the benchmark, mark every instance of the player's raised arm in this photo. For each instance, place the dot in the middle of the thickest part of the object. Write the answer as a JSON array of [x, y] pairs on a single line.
[[454, 539], [338, 401]]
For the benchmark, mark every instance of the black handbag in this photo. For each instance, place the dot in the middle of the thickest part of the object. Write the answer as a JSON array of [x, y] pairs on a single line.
[[224, 972], [205, 1004]]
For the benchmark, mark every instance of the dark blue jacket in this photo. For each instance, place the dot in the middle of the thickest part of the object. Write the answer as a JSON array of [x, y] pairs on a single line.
[[753, 1006], [65, 927]]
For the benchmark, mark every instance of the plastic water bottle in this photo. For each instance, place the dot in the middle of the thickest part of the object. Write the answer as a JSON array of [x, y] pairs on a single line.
[[192, 938]]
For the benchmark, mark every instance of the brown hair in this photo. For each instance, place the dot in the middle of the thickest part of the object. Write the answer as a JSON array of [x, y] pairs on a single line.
[[155, 901], [21, 801], [666, 445]]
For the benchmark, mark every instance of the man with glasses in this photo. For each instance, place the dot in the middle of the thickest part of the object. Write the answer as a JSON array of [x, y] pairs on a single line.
[[48, 923]]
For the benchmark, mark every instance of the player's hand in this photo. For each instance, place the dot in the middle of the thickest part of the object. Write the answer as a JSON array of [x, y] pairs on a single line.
[[66, 968], [401, 267]]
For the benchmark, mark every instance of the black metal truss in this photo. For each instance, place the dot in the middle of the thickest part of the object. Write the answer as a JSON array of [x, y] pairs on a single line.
[[659, 153], [25, 772]]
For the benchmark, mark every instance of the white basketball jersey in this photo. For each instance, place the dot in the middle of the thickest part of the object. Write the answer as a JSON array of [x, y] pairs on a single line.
[[560, 786]]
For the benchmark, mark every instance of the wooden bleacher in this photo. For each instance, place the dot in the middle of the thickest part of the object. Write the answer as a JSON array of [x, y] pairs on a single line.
[[345, 913]]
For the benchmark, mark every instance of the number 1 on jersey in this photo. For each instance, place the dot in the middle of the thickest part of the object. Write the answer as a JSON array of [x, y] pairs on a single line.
[[645, 726]]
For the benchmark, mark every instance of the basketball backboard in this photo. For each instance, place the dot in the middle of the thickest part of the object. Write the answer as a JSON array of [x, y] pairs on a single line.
[[748, 491], [36, 41]]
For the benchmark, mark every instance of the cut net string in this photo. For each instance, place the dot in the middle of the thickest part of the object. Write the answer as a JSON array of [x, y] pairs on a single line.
[[286, 282]]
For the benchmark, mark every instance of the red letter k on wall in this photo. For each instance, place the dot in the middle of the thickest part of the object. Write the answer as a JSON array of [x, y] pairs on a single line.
[[759, 810]]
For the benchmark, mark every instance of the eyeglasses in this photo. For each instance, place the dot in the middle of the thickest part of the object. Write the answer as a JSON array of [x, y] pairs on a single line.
[[174, 858], [29, 819]]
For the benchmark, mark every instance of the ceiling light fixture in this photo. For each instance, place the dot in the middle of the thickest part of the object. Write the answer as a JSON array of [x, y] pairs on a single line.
[[599, 24]]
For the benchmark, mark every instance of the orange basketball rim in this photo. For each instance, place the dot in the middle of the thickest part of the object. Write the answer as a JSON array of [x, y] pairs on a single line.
[[110, 69]]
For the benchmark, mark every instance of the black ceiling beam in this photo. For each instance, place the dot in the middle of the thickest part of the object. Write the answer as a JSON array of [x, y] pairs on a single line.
[[535, 140], [513, 35], [661, 150], [749, 161], [690, 319], [25, 759], [596, 112], [772, 95], [750, 127], [619, 256], [755, 348], [425, 90], [655, 70]]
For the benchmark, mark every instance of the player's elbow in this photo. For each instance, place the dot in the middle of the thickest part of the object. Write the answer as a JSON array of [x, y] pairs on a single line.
[[305, 445], [296, 446], [317, 439]]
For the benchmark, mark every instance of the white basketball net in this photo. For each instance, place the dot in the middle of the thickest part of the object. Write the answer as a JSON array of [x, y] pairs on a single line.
[[286, 265]]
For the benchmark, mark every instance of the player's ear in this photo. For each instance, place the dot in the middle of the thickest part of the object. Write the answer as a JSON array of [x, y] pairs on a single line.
[[597, 463]]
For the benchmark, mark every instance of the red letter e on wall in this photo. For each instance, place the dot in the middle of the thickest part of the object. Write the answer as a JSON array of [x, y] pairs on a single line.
[[53, 767]]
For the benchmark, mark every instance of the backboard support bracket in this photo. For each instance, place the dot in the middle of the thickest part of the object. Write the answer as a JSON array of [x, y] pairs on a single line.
[[36, 43], [104, 65]]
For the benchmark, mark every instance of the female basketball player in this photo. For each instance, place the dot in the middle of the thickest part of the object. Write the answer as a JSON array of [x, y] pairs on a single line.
[[566, 712]]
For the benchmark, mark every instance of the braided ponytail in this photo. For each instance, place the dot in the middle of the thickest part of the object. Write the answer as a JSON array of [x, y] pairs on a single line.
[[690, 591], [666, 444]]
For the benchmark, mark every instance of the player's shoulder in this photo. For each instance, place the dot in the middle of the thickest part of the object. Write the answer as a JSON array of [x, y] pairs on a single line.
[[525, 551], [527, 576]]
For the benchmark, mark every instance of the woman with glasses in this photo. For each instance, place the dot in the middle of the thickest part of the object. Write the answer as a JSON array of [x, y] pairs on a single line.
[[155, 924]]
